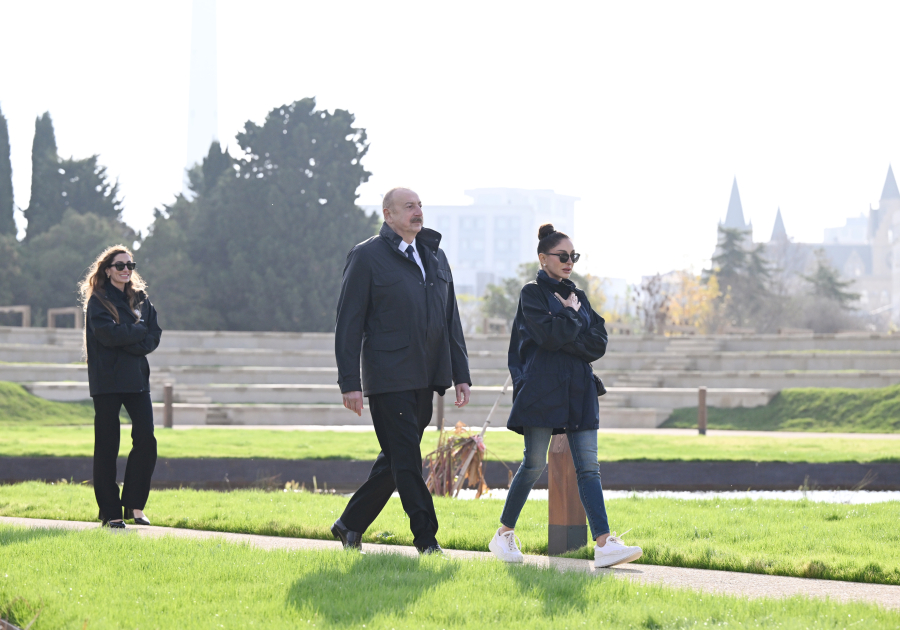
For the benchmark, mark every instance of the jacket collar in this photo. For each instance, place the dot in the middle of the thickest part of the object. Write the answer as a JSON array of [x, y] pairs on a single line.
[[427, 237], [563, 287], [114, 294]]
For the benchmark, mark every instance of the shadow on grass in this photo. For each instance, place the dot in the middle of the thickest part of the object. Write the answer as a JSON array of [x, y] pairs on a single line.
[[16, 535], [352, 590], [560, 593]]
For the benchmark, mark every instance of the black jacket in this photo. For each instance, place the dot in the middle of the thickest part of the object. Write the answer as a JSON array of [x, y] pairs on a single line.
[[406, 329], [117, 353], [550, 354]]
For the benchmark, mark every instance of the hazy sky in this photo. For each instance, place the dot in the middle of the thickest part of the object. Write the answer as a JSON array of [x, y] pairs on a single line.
[[645, 111]]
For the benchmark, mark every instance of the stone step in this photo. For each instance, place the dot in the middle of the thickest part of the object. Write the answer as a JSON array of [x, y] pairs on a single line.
[[856, 340]]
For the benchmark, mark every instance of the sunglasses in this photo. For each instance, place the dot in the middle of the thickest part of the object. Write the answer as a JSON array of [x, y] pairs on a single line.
[[120, 266], [564, 257]]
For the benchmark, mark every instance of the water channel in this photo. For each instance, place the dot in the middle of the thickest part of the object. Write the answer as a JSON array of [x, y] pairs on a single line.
[[848, 497]]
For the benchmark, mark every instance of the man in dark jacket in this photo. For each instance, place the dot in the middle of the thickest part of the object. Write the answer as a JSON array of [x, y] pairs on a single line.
[[397, 309]]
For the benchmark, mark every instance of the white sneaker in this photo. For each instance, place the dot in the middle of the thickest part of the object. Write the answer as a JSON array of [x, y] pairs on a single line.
[[506, 546], [615, 552]]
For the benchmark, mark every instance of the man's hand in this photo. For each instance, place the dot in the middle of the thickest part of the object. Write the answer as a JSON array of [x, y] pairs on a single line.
[[354, 402], [462, 395]]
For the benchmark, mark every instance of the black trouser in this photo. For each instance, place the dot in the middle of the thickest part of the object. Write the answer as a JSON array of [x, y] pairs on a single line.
[[141, 459], [400, 419]]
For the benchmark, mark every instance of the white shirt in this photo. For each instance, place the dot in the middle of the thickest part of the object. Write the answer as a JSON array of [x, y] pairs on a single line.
[[402, 248]]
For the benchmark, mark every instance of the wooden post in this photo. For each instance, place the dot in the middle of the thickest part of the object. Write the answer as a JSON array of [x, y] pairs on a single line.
[[701, 411], [167, 406], [440, 411], [567, 522]]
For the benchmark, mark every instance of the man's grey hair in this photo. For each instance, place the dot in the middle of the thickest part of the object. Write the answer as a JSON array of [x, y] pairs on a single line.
[[387, 202]]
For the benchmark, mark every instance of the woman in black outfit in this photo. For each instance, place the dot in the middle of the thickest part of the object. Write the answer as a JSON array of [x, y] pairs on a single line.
[[120, 330]]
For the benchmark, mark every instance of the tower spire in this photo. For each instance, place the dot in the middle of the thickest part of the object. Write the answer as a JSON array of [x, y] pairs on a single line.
[[890, 190], [778, 232], [734, 218]]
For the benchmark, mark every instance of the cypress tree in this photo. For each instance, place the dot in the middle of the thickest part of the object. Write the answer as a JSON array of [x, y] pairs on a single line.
[[46, 207], [58, 185], [86, 188], [7, 219]]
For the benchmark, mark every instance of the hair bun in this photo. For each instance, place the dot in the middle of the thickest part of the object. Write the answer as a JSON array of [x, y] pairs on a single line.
[[545, 230]]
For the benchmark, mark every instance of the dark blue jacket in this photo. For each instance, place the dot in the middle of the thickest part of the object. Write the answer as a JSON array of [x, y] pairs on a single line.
[[117, 352], [550, 354]]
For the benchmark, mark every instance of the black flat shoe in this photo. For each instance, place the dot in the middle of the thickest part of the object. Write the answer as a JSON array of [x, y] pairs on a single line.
[[350, 540], [113, 524], [432, 550], [129, 514]]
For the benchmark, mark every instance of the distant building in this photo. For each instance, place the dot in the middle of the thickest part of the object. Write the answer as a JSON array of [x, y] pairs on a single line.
[[490, 238], [865, 250], [854, 232]]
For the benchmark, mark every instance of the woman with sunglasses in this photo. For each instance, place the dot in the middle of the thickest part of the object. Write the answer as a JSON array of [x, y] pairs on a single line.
[[555, 338], [120, 330]]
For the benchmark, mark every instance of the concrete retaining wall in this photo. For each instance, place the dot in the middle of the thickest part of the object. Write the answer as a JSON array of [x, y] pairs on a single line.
[[347, 475]]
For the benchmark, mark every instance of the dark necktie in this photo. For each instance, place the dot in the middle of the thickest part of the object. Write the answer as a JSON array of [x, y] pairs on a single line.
[[409, 254]]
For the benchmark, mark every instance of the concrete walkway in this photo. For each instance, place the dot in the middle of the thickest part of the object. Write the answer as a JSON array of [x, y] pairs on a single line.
[[724, 582]]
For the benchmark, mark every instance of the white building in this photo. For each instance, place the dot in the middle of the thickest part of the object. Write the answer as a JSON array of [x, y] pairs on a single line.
[[854, 232], [490, 238]]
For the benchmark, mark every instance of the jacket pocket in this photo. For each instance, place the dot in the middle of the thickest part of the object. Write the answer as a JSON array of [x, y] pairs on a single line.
[[388, 341], [386, 279], [541, 390], [444, 275]]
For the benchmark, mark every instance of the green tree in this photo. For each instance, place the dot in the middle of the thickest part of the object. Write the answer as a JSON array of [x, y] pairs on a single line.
[[502, 300], [86, 188], [744, 275], [171, 268], [7, 209], [59, 185], [826, 284], [167, 255], [10, 275], [46, 207], [265, 244], [57, 259], [203, 177]]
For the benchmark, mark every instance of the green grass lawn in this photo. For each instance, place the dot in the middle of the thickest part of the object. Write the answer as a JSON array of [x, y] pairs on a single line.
[[874, 410], [100, 579], [505, 445], [18, 406], [804, 539]]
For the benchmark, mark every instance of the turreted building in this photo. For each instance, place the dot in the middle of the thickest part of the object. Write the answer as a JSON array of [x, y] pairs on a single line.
[[866, 250]]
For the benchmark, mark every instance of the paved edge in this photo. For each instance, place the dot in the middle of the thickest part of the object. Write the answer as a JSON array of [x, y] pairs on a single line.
[[751, 585]]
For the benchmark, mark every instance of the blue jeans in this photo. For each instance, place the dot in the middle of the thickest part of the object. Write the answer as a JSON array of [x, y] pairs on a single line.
[[583, 445]]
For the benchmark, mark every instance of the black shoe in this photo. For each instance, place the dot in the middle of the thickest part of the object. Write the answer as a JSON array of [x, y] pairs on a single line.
[[113, 524], [432, 550], [129, 514], [350, 540]]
